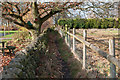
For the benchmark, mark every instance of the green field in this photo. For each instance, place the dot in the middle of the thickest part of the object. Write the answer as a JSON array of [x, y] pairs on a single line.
[[10, 31], [9, 35]]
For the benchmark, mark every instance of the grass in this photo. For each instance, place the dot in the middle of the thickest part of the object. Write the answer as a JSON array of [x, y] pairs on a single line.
[[79, 34], [92, 33], [74, 65], [10, 31], [118, 43], [114, 31], [7, 40], [104, 32], [8, 36]]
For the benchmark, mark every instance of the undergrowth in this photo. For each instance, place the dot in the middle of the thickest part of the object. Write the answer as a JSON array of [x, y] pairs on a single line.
[[74, 65], [41, 63]]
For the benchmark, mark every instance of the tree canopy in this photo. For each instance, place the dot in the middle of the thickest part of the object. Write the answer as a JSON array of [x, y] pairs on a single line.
[[16, 11]]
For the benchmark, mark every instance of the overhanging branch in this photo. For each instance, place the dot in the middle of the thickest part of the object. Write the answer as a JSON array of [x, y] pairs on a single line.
[[50, 15], [25, 12], [20, 24], [11, 20], [12, 15]]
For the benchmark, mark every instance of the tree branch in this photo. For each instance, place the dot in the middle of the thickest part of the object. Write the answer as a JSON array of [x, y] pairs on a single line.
[[53, 12], [22, 24], [18, 9], [50, 15], [12, 15], [11, 20], [35, 8], [25, 12]]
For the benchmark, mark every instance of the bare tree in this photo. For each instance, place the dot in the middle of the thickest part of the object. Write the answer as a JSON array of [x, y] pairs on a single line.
[[16, 11]]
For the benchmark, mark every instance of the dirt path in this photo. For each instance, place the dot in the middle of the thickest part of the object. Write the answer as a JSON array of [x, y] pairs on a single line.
[[54, 49]]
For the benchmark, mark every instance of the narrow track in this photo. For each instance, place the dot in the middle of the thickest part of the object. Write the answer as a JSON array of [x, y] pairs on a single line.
[[65, 69]]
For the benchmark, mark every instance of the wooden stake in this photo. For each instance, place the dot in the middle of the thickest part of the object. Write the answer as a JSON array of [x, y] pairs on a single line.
[[73, 40], [112, 53], [84, 49], [69, 38]]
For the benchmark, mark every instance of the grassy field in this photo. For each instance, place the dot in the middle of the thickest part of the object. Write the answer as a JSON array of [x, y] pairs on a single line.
[[99, 38], [9, 35], [10, 31]]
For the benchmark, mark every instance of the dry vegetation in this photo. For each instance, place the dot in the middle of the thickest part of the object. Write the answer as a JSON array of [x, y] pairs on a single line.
[[97, 65], [20, 41]]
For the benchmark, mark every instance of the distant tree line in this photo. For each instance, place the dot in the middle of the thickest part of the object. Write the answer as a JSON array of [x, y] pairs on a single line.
[[90, 23]]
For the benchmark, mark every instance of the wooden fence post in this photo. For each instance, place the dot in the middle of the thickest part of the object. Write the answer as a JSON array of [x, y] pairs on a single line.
[[69, 38], [112, 52], [84, 49], [67, 34], [64, 33], [60, 31], [73, 40]]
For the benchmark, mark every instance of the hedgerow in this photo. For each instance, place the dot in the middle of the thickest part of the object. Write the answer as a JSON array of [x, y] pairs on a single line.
[[90, 23]]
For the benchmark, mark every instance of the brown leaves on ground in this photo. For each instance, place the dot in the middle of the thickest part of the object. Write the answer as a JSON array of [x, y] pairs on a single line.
[[6, 60], [9, 56]]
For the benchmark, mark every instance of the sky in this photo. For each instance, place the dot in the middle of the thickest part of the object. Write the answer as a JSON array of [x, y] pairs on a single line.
[[60, 0], [75, 12]]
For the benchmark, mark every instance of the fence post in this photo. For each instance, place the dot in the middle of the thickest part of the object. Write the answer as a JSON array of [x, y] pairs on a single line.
[[112, 52], [73, 40], [84, 49], [60, 31], [69, 38], [65, 33]]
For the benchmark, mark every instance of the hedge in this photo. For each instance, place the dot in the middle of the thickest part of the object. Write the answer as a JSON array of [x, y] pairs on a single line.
[[90, 23]]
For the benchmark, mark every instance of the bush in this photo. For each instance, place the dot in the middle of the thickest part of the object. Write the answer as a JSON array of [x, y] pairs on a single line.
[[89, 23], [22, 35]]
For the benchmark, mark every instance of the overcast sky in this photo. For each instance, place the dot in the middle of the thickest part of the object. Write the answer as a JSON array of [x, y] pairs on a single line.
[[59, 0], [75, 12]]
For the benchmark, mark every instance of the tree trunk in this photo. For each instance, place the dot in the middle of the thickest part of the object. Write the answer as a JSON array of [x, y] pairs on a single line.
[[39, 30], [39, 22], [35, 14], [32, 35]]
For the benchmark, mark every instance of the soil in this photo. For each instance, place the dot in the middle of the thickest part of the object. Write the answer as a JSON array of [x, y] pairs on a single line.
[[100, 38]]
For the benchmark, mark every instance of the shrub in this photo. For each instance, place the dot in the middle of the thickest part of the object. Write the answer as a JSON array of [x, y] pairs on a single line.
[[89, 23]]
